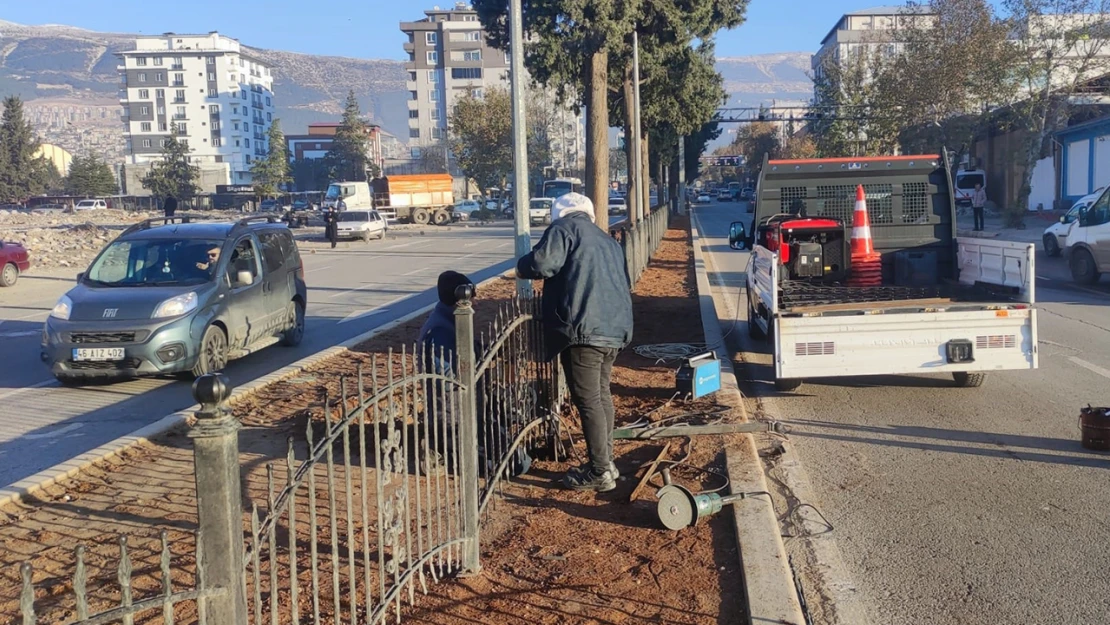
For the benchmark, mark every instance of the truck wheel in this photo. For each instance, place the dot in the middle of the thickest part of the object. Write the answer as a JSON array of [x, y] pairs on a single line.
[[420, 217], [754, 330], [969, 380], [1051, 247], [787, 386], [1083, 267], [9, 275], [441, 217]]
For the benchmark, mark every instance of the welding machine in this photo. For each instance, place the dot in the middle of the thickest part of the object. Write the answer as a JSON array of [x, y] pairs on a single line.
[[699, 376]]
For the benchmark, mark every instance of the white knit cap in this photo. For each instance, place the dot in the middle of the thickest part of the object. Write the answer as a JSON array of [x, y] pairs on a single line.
[[571, 203]]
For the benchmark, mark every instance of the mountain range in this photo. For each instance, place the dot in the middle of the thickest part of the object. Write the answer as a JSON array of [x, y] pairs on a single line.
[[68, 79]]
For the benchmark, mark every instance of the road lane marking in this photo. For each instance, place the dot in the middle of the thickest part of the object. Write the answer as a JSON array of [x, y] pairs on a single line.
[[374, 311], [416, 271], [357, 289], [17, 391], [54, 433], [1090, 366], [12, 335], [318, 269]]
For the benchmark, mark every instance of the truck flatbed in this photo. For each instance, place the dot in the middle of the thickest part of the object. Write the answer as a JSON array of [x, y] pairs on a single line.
[[796, 298]]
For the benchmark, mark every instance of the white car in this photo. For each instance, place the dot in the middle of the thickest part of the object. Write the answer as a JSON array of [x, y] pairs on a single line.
[[464, 209], [361, 224], [703, 198], [539, 210], [86, 205], [1056, 236]]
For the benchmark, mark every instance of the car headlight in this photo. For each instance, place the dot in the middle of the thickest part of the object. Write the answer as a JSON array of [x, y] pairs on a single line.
[[63, 308], [176, 306]]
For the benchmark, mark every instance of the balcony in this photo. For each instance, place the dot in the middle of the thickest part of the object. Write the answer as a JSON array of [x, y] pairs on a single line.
[[259, 136], [177, 67], [123, 95], [179, 100], [180, 116], [177, 83]]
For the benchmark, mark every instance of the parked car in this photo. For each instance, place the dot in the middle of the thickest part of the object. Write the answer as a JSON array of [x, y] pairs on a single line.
[[361, 224], [303, 205], [703, 198], [85, 205], [464, 209], [13, 261], [539, 210], [269, 206], [724, 195], [1056, 236], [213, 290], [747, 193]]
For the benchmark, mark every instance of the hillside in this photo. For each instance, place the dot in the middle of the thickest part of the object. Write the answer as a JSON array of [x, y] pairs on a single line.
[[69, 80]]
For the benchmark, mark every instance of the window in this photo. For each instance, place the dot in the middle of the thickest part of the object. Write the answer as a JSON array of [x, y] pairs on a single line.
[[472, 55], [144, 110], [268, 101], [246, 143], [433, 76], [157, 60], [269, 117], [180, 112], [236, 143], [162, 127], [1098, 213], [217, 142], [243, 94], [212, 92], [184, 143], [433, 95], [273, 254], [412, 76], [141, 61], [144, 127], [159, 77], [433, 58], [236, 125], [466, 73], [210, 60], [470, 18], [211, 76], [477, 93], [144, 94], [146, 143], [412, 95], [181, 128], [161, 110], [435, 112], [414, 114], [160, 94], [473, 35], [431, 38], [142, 76], [243, 259], [414, 133], [437, 133], [179, 95]]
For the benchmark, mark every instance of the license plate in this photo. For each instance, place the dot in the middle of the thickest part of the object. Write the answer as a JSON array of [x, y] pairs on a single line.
[[97, 353]]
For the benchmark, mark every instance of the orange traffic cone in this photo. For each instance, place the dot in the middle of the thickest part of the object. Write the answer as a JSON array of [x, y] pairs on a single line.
[[867, 264]]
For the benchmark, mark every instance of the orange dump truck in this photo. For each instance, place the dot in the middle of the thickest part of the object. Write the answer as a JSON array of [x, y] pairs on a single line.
[[419, 199]]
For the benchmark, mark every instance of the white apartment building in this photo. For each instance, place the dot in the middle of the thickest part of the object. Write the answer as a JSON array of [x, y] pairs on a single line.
[[205, 90], [864, 32]]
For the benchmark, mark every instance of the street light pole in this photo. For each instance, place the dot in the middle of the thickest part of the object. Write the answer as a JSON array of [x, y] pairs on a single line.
[[523, 236], [637, 132]]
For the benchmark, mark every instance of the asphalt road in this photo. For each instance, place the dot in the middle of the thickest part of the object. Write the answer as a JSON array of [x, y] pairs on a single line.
[[352, 289], [969, 506]]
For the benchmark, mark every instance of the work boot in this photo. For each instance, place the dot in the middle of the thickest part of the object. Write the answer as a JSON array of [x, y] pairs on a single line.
[[584, 478]]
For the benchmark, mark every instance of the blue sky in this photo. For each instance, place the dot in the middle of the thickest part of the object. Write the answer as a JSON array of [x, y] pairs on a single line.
[[369, 28]]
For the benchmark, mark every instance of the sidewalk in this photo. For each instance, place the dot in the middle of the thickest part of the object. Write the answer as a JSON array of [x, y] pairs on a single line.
[[994, 227]]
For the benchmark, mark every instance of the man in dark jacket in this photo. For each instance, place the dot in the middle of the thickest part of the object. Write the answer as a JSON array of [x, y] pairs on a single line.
[[169, 206], [587, 317], [331, 225]]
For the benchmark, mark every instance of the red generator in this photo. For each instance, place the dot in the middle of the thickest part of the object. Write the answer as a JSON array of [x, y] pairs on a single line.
[[810, 249]]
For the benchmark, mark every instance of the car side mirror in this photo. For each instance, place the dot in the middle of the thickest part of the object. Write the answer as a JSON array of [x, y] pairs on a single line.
[[737, 236], [244, 278], [1063, 219], [81, 276]]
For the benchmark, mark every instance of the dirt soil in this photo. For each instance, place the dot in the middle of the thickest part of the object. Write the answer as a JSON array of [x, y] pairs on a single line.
[[549, 555]]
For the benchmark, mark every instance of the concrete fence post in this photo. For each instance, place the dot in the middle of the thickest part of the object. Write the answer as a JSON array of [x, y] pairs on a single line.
[[219, 502], [468, 425]]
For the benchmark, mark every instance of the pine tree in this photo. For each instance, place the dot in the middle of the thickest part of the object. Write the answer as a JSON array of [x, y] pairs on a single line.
[[22, 173], [173, 175], [274, 170], [348, 158], [90, 176]]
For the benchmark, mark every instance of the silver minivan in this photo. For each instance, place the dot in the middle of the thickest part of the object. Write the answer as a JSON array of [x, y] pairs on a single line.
[[178, 296]]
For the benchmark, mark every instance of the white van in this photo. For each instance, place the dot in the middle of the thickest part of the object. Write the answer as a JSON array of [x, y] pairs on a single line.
[[1056, 236], [966, 180], [85, 205], [1088, 247]]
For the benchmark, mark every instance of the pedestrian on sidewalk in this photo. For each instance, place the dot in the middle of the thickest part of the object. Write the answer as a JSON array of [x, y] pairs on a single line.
[[587, 318], [169, 206], [978, 203]]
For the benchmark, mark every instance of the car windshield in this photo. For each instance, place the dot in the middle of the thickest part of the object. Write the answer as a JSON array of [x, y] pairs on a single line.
[[155, 262], [87, 203], [539, 204], [354, 216], [969, 181]]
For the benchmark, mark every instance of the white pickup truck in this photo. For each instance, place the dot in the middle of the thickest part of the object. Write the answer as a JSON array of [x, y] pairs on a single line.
[[960, 306]]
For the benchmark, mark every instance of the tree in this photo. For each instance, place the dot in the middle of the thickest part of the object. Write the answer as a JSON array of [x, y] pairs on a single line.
[[22, 173], [1061, 46], [174, 175], [90, 176], [270, 173], [854, 102], [481, 138], [348, 157]]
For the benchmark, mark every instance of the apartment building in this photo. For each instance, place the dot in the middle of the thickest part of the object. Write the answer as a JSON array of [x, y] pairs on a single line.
[[317, 143], [206, 91], [865, 31]]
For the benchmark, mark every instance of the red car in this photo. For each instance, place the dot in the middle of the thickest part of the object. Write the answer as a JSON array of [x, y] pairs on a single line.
[[14, 260]]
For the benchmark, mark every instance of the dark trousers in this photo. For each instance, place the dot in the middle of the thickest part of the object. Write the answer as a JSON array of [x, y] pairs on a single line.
[[588, 370], [978, 211], [332, 232]]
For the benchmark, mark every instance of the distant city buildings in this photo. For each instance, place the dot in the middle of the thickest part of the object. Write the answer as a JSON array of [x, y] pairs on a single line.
[[865, 32], [316, 144], [206, 91]]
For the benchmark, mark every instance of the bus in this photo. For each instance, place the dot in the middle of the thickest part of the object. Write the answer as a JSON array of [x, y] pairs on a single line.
[[561, 186]]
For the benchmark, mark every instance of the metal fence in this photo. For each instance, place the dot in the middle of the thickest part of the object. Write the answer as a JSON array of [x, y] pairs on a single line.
[[383, 496], [641, 240]]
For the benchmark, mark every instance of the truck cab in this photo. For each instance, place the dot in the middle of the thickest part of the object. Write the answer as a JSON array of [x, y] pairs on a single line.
[[354, 195], [1088, 241], [962, 307]]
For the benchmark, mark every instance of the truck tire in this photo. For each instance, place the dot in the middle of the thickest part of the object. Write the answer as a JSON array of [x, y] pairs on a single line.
[[969, 380], [1083, 267], [787, 386], [754, 330], [441, 217], [420, 216]]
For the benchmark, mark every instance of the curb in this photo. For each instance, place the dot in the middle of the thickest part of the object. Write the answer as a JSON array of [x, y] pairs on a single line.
[[46, 478], [768, 578]]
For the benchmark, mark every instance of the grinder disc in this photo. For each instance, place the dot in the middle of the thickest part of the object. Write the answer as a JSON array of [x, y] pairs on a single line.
[[676, 507]]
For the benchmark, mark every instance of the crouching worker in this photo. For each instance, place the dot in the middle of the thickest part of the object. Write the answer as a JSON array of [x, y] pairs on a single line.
[[437, 344], [587, 320]]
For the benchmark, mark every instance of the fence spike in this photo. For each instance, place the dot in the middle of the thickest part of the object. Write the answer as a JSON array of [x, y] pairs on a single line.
[[379, 487], [405, 448], [352, 584], [256, 576], [329, 455], [416, 455], [294, 584], [271, 543], [313, 533], [124, 576], [80, 580], [27, 596], [167, 583], [364, 493]]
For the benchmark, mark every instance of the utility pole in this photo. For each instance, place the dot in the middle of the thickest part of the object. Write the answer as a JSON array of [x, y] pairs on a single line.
[[523, 235], [637, 131]]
